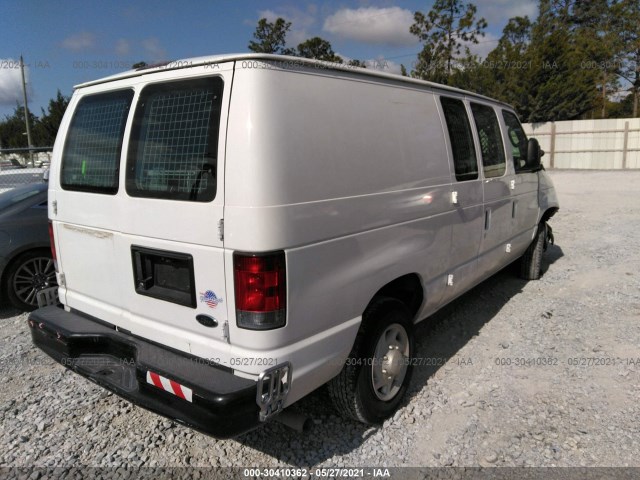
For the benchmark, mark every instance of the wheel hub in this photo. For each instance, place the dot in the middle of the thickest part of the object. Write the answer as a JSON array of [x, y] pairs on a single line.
[[394, 361], [39, 281], [389, 366]]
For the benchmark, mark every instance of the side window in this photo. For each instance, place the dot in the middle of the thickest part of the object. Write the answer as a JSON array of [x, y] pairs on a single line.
[[173, 151], [490, 138], [517, 139], [464, 153], [91, 155]]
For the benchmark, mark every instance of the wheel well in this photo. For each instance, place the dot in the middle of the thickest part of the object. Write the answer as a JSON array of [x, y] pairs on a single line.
[[407, 289], [548, 214]]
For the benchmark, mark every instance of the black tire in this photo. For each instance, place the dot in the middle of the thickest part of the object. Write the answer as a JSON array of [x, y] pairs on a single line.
[[353, 392], [29, 273], [531, 261]]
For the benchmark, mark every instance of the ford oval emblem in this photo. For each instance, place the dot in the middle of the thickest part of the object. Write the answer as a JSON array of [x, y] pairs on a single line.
[[207, 321]]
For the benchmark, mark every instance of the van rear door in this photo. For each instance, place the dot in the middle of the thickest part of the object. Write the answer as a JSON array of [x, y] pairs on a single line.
[[139, 199]]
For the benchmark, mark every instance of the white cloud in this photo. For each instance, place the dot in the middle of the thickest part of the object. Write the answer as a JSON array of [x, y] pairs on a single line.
[[123, 47], [11, 82], [498, 12], [79, 41], [154, 50], [485, 45], [388, 26]]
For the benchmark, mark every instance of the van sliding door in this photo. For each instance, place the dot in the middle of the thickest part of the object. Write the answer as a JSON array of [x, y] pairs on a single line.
[[495, 250]]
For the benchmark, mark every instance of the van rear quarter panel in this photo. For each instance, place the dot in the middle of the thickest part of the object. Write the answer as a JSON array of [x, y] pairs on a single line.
[[350, 177]]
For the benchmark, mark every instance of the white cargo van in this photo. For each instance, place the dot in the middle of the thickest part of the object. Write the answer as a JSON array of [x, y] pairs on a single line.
[[233, 232]]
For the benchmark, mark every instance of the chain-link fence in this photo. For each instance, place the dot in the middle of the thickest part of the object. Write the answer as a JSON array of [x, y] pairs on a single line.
[[19, 166]]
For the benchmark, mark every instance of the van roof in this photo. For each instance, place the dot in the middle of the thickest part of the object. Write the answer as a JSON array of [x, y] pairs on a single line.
[[212, 59]]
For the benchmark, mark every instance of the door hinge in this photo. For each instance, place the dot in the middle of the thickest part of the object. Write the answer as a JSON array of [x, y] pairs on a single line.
[[450, 280], [225, 332], [54, 207], [62, 281], [508, 248], [221, 229], [513, 184], [454, 198]]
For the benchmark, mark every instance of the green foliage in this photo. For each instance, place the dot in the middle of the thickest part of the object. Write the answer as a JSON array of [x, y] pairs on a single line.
[[271, 37], [628, 31], [43, 129], [318, 48], [445, 31], [46, 128], [567, 65], [12, 129]]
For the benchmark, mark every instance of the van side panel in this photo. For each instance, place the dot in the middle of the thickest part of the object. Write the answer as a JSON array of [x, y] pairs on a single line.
[[352, 181]]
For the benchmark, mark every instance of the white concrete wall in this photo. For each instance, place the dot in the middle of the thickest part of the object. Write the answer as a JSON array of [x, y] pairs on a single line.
[[600, 148]]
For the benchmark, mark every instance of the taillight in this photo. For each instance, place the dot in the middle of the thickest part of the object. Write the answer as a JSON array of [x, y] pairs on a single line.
[[260, 290], [53, 245]]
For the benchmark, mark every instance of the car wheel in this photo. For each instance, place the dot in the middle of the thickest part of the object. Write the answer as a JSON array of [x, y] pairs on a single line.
[[376, 375], [531, 261], [29, 273]]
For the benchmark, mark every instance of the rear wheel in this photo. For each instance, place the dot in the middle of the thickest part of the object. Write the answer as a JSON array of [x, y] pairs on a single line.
[[377, 373], [27, 275]]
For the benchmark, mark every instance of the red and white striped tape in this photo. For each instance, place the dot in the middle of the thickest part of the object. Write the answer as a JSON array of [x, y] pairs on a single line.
[[169, 386]]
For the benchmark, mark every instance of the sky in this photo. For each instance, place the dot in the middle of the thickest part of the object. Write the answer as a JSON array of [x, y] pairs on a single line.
[[72, 41]]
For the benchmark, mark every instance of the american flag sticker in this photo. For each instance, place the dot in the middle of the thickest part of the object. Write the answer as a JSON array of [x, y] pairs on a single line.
[[209, 297]]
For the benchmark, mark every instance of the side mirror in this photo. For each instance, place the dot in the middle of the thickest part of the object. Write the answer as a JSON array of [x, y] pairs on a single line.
[[534, 153]]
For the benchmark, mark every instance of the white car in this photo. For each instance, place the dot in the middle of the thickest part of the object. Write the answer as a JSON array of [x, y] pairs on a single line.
[[233, 232]]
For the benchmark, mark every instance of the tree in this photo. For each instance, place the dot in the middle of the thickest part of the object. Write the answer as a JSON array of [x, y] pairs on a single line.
[[559, 85], [139, 65], [46, 128], [504, 73], [446, 31], [594, 26], [319, 49], [12, 130], [629, 35], [271, 37]]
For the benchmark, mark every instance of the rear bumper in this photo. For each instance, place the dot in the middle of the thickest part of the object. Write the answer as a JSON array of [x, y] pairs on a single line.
[[209, 397]]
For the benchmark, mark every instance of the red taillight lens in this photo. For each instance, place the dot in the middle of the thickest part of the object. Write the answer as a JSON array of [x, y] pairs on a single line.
[[260, 290], [52, 242]]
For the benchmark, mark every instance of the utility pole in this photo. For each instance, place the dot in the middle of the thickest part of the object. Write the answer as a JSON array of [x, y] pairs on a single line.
[[26, 109]]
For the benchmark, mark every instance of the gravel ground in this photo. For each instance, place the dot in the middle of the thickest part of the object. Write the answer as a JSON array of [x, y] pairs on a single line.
[[543, 373]]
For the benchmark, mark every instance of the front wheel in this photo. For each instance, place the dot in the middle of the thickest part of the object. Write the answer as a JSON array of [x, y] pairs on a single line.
[[376, 375], [531, 261]]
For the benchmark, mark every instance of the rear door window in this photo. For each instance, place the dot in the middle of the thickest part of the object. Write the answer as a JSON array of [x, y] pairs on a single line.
[[464, 153], [490, 138], [173, 152], [91, 156]]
